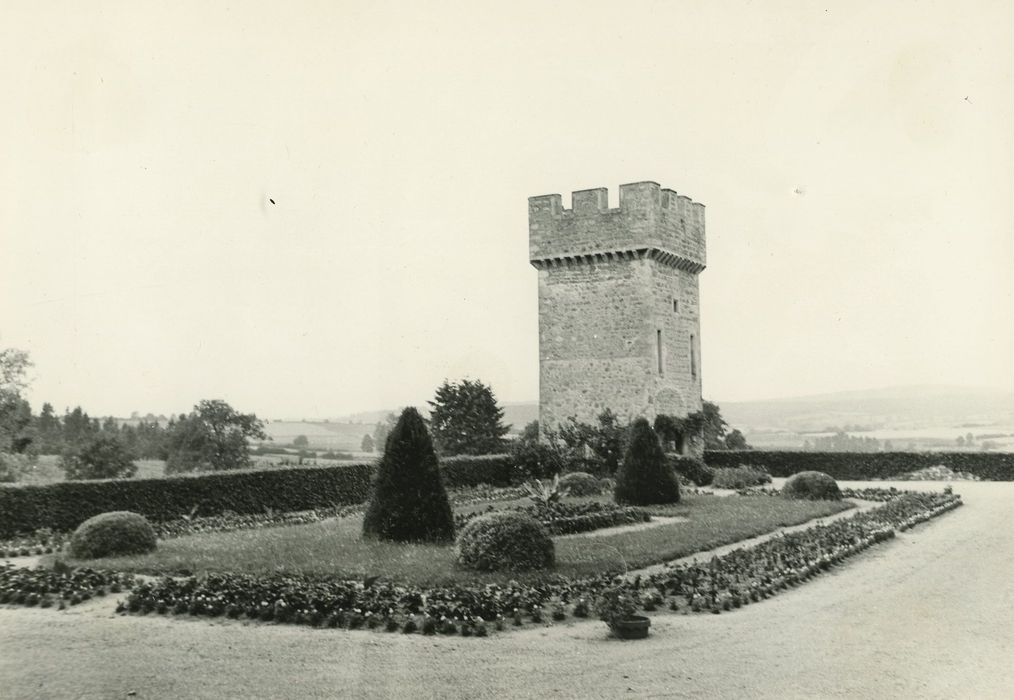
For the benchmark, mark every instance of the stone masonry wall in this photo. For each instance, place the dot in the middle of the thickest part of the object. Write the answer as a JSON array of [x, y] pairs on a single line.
[[610, 280]]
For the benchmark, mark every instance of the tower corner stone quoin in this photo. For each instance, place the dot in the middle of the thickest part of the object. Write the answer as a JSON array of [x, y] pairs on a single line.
[[619, 311]]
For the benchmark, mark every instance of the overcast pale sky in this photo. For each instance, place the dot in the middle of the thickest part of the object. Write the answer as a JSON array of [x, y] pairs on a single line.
[[857, 162]]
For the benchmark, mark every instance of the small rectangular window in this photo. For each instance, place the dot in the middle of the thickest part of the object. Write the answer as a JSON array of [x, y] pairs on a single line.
[[658, 350], [693, 357], [675, 306]]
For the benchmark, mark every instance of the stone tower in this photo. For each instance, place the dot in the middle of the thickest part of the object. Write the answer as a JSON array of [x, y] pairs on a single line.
[[619, 318]]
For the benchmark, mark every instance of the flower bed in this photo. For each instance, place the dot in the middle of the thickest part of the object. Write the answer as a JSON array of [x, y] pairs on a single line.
[[36, 544], [47, 587], [563, 518], [735, 579]]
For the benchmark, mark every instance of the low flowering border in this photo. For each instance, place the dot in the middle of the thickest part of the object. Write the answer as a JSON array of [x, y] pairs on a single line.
[[48, 587], [726, 582], [568, 519]]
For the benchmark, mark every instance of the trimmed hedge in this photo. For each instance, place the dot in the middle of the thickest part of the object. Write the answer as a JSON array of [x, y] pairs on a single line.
[[469, 470], [64, 505], [860, 466]]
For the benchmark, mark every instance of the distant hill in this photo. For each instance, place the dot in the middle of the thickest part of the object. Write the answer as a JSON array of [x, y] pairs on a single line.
[[916, 417], [919, 406], [910, 417]]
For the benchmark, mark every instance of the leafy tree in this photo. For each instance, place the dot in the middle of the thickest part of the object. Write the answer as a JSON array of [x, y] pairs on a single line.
[[714, 426], [104, 456], [533, 458], [466, 419], [596, 448], [645, 478], [409, 502], [15, 414], [13, 467], [382, 430], [367, 444], [77, 429], [49, 432], [736, 441], [301, 442], [214, 436]]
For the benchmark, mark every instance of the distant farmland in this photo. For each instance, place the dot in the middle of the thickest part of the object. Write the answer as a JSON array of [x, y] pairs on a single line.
[[346, 437]]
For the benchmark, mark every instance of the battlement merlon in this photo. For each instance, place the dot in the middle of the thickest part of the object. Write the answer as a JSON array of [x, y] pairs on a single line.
[[648, 217]]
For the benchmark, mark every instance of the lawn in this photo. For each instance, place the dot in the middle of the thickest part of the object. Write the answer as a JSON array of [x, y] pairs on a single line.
[[335, 547]]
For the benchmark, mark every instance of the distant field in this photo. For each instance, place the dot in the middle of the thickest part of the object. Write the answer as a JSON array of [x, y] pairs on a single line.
[[346, 437], [47, 470]]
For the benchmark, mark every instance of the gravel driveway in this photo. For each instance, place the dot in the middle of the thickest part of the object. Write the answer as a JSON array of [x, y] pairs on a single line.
[[929, 614]]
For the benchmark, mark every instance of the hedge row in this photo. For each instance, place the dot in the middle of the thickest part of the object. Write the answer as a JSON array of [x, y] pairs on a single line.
[[65, 505], [990, 466]]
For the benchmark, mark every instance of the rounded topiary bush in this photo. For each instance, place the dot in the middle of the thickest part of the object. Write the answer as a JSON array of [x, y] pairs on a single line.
[[409, 502], [112, 534], [505, 540], [814, 486], [645, 478], [581, 484]]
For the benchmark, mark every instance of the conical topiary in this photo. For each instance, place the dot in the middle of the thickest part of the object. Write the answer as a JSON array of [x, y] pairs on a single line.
[[409, 503], [644, 477]]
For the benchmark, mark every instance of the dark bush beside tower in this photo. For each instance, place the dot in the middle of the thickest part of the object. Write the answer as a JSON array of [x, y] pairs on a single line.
[[409, 502], [645, 477]]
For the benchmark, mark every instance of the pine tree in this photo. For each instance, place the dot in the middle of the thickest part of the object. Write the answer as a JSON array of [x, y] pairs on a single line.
[[466, 419], [409, 503], [645, 478]]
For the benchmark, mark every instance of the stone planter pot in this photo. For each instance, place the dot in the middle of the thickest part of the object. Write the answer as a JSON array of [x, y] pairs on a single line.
[[633, 627]]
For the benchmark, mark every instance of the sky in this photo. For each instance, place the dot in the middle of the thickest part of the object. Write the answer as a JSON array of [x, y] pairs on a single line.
[[856, 160]]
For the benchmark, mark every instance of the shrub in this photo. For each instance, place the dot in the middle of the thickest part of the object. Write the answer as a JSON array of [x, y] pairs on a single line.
[[861, 466], [110, 534], [535, 460], [692, 469], [813, 486], [102, 457], [505, 540], [739, 478], [581, 484], [645, 478], [409, 503]]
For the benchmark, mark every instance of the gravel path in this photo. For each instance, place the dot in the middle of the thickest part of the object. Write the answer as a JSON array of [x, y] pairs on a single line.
[[929, 614]]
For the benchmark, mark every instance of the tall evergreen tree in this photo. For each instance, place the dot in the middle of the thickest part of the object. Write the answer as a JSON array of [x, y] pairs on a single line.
[[466, 419], [409, 502], [645, 477]]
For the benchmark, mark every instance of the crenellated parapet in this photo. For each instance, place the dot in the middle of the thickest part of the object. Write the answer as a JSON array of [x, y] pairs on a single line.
[[649, 221]]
